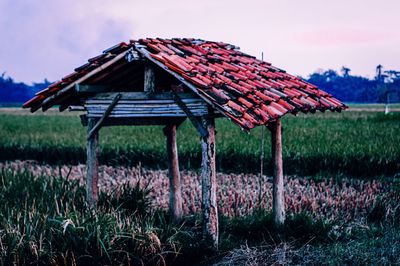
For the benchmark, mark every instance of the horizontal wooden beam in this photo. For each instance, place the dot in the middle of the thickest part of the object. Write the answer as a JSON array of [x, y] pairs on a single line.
[[83, 88], [136, 121], [73, 108], [142, 96]]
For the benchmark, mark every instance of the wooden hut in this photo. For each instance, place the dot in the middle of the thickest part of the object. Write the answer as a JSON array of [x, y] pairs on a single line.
[[165, 81]]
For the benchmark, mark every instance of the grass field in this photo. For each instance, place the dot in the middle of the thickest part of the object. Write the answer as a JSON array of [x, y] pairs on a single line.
[[44, 220], [332, 218], [362, 144]]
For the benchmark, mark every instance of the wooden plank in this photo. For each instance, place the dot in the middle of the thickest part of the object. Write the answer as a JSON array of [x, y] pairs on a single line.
[[146, 113], [143, 121], [175, 194], [105, 115], [135, 104], [92, 164], [145, 110], [209, 183], [137, 121], [83, 88], [140, 108], [278, 197], [78, 108], [142, 96], [149, 78], [144, 102], [134, 116]]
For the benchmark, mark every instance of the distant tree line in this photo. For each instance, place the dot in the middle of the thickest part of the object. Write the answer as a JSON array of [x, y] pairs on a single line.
[[12, 92], [385, 86]]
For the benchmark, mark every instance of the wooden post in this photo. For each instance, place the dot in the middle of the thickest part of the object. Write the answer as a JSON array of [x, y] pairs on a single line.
[[149, 78], [175, 196], [209, 183], [278, 200], [92, 164]]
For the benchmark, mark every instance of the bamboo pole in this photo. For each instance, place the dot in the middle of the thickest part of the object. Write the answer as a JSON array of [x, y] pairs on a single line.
[[175, 195], [278, 200], [92, 164], [209, 184]]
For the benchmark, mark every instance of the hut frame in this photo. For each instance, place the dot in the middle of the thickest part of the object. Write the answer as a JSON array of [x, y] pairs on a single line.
[[267, 92]]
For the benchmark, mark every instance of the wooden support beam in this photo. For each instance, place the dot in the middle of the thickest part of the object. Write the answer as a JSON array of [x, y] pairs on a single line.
[[149, 78], [92, 164], [175, 195], [105, 115], [196, 123], [86, 89], [278, 197], [209, 184]]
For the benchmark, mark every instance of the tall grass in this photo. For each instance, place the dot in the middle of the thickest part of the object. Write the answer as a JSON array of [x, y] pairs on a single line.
[[45, 221], [351, 143]]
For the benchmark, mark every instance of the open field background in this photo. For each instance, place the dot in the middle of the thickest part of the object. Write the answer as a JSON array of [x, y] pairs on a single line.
[[333, 218], [351, 143]]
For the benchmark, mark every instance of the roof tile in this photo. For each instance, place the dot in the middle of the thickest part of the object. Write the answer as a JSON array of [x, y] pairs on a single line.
[[247, 90]]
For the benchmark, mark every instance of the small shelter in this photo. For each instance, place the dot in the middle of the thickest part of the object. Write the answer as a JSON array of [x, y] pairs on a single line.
[[165, 81]]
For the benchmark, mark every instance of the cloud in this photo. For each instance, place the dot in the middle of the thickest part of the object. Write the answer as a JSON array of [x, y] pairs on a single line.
[[344, 37], [50, 38]]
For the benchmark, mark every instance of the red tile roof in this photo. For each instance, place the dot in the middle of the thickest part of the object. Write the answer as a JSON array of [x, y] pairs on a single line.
[[245, 89]]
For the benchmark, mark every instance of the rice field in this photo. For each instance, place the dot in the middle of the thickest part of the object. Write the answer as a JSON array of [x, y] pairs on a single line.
[[359, 144], [238, 194], [342, 183]]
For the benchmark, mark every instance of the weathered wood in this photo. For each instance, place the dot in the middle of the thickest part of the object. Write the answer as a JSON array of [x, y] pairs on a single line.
[[135, 116], [76, 108], [139, 110], [83, 88], [142, 96], [209, 183], [137, 121], [141, 105], [175, 195], [92, 164], [149, 78], [104, 116], [196, 123], [142, 50], [132, 55], [278, 200], [54, 99]]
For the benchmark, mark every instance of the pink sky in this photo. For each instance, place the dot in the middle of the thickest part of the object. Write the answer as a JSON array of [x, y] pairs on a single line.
[[49, 38]]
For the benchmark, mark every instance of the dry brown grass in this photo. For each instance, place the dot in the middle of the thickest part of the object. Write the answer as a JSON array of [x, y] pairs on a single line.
[[238, 194]]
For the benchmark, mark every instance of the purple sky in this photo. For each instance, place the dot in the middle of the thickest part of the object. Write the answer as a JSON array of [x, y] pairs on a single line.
[[49, 38]]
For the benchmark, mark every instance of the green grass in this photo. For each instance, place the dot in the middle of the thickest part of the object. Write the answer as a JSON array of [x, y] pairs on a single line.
[[362, 144], [380, 106]]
